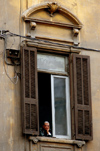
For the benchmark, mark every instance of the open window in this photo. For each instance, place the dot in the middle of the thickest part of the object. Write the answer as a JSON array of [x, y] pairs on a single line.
[[54, 103], [61, 107], [53, 93], [54, 96]]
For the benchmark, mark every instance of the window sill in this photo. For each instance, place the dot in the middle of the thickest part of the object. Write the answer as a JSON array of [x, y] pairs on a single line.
[[56, 140]]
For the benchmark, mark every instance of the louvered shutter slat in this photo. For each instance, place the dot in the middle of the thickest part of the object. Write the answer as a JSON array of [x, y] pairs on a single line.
[[82, 97], [29, 91], [79, 81]]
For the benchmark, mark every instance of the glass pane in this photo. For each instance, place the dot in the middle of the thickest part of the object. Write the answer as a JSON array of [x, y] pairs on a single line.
[[50, 62], [60, 106]]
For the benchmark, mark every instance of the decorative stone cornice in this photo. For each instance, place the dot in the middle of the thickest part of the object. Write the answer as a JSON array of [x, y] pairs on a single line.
[[51, 46]]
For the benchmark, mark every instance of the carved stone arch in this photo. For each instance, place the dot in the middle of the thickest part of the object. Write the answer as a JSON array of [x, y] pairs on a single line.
[[69, 25], [45, 5]]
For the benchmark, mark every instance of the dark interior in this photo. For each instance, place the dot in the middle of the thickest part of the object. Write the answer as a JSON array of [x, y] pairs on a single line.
[[44, 95]]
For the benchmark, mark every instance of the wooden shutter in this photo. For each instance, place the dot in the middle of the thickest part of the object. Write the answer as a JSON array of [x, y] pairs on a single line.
[[29, 91], [82, 97]]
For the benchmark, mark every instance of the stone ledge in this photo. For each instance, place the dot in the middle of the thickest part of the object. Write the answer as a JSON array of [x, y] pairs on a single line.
[[56, 140]]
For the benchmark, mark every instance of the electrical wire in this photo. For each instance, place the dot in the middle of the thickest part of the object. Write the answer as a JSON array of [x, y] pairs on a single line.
[[47, 41]]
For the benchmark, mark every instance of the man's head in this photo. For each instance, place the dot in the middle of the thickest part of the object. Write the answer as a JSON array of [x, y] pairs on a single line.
[[46, 125]]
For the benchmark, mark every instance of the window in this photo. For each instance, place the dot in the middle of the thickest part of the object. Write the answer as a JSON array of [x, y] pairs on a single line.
[[54, 108], [60, 107], [80, 95]]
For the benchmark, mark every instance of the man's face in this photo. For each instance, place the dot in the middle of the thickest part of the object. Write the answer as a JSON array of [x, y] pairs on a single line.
[[46, 126]]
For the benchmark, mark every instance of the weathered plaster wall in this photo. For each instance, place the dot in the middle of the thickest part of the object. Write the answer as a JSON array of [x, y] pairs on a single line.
[[11, 138], [87, 11]]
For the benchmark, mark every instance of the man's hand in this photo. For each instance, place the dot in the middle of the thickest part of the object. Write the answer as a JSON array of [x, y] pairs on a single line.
[[47, 131]]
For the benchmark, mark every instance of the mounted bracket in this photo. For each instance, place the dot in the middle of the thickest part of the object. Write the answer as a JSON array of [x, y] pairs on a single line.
[[13, 55]]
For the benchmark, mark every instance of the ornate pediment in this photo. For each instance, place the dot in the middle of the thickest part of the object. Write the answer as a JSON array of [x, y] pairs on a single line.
[[51, 7], [54, 16]]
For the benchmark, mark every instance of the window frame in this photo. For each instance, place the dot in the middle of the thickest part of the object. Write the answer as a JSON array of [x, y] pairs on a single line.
[[68, 113]]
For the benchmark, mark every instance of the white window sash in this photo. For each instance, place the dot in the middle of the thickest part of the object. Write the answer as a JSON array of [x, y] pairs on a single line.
[[68, 136]]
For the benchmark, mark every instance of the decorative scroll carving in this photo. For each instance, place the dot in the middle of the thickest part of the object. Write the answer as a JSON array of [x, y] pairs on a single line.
[[52, 8], [79, 143], [35, 140]]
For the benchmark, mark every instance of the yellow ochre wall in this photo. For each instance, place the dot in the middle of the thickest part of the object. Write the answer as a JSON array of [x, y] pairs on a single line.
[[88, 12]]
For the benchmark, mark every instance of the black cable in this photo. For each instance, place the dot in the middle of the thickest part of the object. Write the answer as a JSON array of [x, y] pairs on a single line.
[[56, 43], [46, 41]]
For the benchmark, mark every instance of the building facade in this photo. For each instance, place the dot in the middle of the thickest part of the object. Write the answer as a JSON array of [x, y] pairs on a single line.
[[49, 72]]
